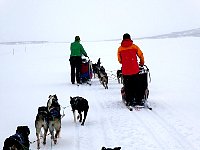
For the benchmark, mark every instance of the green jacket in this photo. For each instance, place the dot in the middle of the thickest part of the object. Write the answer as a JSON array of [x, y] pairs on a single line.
[[77, 49]]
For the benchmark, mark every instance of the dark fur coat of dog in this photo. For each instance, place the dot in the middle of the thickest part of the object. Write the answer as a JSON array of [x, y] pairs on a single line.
[[52, 102], [116, 148], [18, 141], [95, 67], [119, 76], [100, 71], [81, 105]]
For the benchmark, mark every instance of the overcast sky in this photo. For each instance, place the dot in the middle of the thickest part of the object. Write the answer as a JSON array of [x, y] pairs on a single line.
[[61, 20]]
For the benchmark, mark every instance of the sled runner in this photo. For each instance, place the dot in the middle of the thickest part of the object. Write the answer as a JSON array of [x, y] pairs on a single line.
[[86, 71], [144, 78]]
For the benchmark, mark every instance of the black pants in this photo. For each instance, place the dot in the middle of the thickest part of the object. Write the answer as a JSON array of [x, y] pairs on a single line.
[[75, 62], [133, 88]]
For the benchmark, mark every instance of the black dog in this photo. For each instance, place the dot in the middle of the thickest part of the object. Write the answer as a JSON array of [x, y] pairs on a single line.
[[100, 71], [95, 67], [18, 141], [81, 105], [119, 76], [116, 148]]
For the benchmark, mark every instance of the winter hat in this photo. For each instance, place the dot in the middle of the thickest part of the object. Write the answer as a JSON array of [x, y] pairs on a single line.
[[126, 36], [77, 38]]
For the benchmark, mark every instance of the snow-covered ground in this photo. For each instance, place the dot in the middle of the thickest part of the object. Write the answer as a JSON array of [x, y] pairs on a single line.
[[34, 54], [31, 72]]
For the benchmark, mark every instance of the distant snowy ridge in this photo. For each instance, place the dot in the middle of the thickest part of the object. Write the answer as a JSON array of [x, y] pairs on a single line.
[[23, 42], [186, 33]]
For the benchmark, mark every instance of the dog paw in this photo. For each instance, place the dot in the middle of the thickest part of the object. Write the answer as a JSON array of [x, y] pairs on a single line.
[[55, 141]]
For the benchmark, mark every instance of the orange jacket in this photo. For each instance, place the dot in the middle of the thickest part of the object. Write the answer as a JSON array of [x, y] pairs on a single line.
[[127, 56]]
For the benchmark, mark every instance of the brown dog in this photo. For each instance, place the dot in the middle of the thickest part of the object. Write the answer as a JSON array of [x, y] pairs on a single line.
[[54, 117], [41, 121]]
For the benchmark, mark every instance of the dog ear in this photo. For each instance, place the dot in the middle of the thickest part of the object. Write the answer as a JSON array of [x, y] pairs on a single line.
[[50, 96], [99, 62], [56, 97], [103, 148], [27, 130]]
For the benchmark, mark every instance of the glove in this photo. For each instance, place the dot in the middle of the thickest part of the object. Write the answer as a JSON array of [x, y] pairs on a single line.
[[141, 65]]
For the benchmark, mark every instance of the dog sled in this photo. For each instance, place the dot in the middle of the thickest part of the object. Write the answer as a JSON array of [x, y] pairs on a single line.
[[86, 71], [144, 79]]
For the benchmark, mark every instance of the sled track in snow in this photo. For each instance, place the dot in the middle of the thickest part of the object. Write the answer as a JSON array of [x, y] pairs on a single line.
[[96, 132], [106, 126], [76, 138], [147, 124], [87, 136], [182, 120], [178, 137], [170, 138]]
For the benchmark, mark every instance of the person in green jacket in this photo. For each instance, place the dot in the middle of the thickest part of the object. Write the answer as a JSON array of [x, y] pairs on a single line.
[[77, 51]]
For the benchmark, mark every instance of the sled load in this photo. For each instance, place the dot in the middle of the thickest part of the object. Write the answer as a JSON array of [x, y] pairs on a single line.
[[86, 71], [144, 78]]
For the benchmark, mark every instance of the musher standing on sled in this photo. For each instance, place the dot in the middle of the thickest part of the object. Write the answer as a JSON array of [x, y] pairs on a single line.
[[127, 56], [77, 51]]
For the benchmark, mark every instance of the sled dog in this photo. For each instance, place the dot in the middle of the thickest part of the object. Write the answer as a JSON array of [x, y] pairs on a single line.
[[103, 77], [81, 105], [18, 141], [119, 76], [100, 71], [54, 117], [41, 121], [116, 148], [95, 67]]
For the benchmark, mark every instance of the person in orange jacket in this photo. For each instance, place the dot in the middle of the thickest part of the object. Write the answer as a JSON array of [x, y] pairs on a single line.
[[128, 54]]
